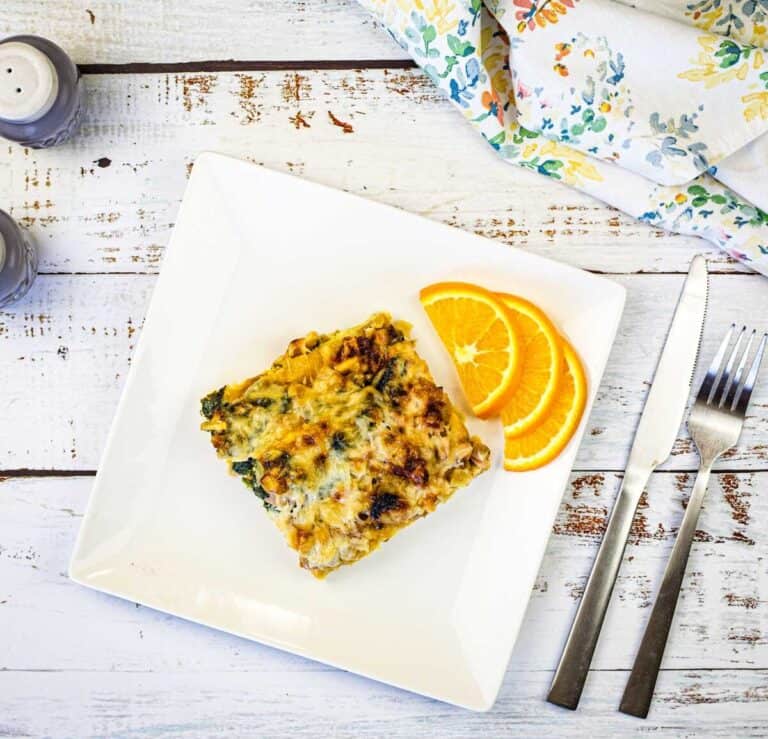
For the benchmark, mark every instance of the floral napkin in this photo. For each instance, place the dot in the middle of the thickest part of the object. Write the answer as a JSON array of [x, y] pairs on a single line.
[[659, 108]]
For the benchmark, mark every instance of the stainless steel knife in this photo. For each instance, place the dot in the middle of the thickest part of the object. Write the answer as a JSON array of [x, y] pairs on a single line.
[[655, 435]]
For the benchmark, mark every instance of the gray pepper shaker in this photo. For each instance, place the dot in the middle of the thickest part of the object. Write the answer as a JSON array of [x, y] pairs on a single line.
[[18, 260], [41, 93]]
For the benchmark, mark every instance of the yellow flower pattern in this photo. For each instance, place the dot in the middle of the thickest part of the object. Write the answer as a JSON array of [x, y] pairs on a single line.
[[709, 68], [742, 20], [756, 106], [723, 60], [578, 167], [442, 14]]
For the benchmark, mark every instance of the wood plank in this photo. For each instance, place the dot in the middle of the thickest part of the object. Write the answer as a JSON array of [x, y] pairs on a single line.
[[69, 343], [722, 620], [107, 201], [103, 31], [68, 346], [727, 703]]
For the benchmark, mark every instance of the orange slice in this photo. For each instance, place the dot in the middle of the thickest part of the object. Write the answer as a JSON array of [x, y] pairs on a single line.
[[541, 444], [479, 334], [542, 366]]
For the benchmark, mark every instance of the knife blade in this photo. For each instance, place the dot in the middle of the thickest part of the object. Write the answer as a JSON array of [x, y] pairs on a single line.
[[654, 438]]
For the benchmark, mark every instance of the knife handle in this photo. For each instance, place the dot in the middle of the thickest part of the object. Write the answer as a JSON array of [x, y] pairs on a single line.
[[577, 655]]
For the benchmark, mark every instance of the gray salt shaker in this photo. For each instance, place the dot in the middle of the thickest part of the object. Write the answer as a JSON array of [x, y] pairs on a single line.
[[18, 260], [41, 93]]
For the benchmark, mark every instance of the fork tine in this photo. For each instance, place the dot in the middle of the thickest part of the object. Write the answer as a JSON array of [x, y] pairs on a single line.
[[741, 401], [727, 382], [730, 400], [708, 385]]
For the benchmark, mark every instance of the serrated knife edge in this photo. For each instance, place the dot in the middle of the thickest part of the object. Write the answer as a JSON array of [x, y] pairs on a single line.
[[668, 396]]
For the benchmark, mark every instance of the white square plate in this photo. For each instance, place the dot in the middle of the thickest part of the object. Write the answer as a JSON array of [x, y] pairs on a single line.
[[256, 259]]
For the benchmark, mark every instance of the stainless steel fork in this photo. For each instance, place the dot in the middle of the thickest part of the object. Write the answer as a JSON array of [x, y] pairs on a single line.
[[715, 423]]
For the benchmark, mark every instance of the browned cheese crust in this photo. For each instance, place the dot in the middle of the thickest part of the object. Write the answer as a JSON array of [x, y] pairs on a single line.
[[346, 439]]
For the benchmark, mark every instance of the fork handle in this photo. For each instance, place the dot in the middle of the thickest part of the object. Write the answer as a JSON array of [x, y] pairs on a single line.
[[642, 680], [573, 668]]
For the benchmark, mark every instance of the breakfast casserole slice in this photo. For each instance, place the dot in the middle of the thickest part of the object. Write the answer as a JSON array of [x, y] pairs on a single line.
[[346, 439]]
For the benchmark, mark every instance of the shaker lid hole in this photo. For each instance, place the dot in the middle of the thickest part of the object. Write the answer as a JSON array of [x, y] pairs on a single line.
[[29, 83]]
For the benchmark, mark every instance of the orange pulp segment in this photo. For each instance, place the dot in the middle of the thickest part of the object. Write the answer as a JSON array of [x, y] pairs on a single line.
[[542, 443], [541, 370], [480, 335]]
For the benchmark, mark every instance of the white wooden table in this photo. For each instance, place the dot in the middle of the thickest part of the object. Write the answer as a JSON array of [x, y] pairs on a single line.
[[79, 664]]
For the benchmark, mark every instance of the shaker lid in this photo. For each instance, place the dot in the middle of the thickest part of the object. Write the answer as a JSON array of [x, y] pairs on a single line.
[[28, 83]]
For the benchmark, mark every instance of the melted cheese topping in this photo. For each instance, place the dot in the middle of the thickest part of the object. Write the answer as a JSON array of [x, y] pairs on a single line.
[[346, 439]]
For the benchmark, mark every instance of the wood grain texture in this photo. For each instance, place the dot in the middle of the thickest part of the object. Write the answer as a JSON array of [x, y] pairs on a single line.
[[68, 346], [280, 703], [95, 658], [110, 31], [106, 202]]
